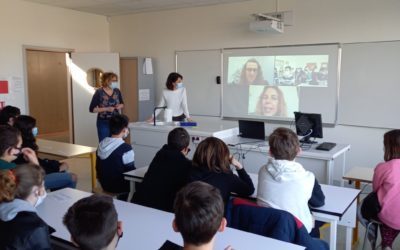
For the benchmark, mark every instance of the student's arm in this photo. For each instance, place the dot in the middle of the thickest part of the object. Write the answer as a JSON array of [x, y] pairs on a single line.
[[317, 197], [129, 160], [243, 185], [39, 239]]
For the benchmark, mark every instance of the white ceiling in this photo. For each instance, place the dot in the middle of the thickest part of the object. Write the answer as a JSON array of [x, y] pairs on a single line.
[[123, 7]]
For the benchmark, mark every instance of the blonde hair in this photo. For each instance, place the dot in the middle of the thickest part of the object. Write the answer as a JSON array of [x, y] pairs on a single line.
[[107, 77]]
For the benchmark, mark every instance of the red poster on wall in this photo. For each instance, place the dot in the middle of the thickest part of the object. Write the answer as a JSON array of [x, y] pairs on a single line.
[[3, 87]]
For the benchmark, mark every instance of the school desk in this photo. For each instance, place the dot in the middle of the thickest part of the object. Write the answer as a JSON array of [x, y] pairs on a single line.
[[147, 228], [340, 206], [69, 150]]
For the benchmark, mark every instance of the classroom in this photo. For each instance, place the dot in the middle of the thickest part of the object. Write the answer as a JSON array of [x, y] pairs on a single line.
[[165, 33]]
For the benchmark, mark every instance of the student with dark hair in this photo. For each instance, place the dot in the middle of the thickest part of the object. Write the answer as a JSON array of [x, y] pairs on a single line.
[[168, 172], [93, 223], [199, 215], [285, 184], [174, 97], [106, 102], [11, 148], [8, 115], [56, 175], [211, 164], [21, 190], [115, 156]]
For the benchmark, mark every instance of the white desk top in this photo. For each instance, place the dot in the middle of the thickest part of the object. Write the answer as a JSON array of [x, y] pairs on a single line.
[[147, 228], [309, 153], [206, 126], [337, 199], [63, 149], [137, 173], [360, 174]]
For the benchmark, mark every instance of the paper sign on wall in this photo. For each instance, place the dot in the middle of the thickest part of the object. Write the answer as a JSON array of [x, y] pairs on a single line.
[[144, 94], [148, 66]]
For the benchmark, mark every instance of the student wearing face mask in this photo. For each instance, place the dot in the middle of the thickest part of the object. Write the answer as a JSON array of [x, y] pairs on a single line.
[[174, 98], [106, 102], [114, 157], [21, 191], [56, 171]]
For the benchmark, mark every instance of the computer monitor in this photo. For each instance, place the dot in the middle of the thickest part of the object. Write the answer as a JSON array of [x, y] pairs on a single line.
[[252, 129], [308, 125]]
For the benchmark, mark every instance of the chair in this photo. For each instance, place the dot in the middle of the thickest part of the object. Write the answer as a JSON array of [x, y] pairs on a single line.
[[368, 227]]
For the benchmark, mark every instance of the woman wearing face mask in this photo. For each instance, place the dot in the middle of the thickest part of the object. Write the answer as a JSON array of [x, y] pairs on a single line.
[[21, 191], [56, 171], [106, 102], [174, 98]]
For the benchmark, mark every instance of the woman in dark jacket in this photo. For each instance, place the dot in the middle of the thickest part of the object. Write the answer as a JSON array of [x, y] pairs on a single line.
[[21, 190], [211, 164]]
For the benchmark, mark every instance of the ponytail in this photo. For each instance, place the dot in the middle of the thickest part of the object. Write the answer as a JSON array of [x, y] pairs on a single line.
[[18, 183]]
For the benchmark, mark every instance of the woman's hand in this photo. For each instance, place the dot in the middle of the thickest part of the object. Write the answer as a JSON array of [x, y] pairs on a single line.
[[119, 106], [30, 156], [150, 120], [235, 163], [189, 119]]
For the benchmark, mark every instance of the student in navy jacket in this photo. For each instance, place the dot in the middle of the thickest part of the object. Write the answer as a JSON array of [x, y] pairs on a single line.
[[114, 157], [167, 174]]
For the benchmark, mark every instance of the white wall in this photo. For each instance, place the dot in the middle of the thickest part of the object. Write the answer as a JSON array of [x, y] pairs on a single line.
[[23, 23], [160, 34]]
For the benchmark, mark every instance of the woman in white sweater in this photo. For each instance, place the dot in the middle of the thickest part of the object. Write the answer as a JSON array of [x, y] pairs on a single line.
[[174, 97]]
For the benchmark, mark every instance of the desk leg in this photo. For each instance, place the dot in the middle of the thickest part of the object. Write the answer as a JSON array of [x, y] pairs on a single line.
[[357, 185], [131, 191], [343, 168], [93, 169], [333, 235], [329, 172], [348, 237]]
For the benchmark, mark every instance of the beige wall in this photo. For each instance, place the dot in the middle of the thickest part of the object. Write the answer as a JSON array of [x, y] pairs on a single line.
[[23, 23], [160, 34]]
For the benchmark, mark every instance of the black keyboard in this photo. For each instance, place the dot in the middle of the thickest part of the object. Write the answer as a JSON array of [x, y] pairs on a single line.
[[326, 146]]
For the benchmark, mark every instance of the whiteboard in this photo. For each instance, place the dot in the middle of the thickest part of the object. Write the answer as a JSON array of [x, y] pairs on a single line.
[[199, 69], [370, 85]]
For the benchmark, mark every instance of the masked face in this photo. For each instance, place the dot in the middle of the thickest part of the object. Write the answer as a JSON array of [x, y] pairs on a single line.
[[126, 134], [114, 85]]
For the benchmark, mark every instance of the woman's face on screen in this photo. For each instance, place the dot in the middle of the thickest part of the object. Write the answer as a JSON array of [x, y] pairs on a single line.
[[251, 72], [269, 102]]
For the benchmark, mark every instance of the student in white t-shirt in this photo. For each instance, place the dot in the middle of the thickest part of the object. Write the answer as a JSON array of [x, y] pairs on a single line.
[[174, 98]]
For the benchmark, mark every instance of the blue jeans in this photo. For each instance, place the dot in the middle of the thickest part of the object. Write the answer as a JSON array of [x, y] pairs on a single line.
[[59, 180], [103, 129]]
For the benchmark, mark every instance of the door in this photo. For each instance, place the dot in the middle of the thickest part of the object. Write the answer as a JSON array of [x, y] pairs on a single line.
[[129, 87], [199, 70], [82, 92], [49, 93]]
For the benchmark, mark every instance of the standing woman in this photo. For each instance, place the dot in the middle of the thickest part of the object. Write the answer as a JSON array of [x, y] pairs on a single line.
[[174, 97], [106, 102], [21, 191]]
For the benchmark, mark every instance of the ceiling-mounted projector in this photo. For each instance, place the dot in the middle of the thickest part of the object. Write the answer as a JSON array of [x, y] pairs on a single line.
[[265, 23]]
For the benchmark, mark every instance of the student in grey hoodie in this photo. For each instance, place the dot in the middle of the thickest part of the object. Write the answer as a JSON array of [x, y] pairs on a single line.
[[21, 191], [285, 184], [114, 157]]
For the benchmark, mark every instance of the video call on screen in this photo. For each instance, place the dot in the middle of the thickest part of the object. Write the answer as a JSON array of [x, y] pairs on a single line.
[[271, 84]]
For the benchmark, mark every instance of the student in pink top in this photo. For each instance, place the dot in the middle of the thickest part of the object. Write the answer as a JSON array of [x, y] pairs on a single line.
[[386, 183]]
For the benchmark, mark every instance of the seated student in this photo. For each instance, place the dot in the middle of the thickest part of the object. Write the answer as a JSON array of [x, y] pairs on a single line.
[[8, 115], [114, 157], [167, 174], [56, 175], [211, 164], [285, 184], [11, 148], [21, 190], [93, 223], [199, 215]]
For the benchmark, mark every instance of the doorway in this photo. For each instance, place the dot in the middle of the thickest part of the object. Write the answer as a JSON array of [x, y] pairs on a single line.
[[49, 95]]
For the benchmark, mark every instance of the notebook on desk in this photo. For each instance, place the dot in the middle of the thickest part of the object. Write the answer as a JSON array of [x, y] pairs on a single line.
[[249, 132]]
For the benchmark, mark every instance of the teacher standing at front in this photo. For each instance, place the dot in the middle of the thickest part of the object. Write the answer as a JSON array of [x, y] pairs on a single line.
[[174, 98], [106, 102]]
